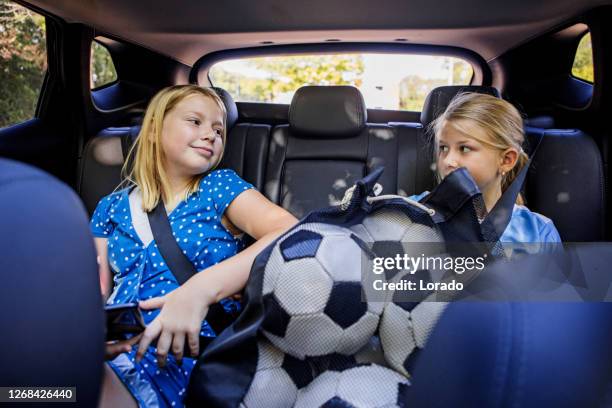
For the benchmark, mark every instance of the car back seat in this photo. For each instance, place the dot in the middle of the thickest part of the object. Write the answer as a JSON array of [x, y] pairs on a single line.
[[328, 145], [104, 154], [566, 183]]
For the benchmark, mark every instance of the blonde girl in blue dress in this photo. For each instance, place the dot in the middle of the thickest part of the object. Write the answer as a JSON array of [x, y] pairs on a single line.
[[485, 135], [175, 155]]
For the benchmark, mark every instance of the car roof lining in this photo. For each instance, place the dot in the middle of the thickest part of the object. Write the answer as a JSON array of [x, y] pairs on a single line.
[[197, 28]]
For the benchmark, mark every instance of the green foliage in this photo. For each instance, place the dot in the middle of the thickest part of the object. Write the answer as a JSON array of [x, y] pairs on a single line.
[[286, 74], [274, 79], [583, 61], [102, 67], [462, 72], [23, 62], [413, 89]]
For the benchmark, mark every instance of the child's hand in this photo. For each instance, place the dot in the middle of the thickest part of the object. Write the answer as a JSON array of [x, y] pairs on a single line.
[[114, 348], [180, 319]]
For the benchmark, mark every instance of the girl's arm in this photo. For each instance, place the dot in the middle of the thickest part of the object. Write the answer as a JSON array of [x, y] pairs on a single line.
[[114, 348], [106, 277], [184, 309]]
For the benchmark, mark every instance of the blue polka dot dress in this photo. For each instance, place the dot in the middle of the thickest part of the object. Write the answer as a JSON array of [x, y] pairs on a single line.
[[140, 273]]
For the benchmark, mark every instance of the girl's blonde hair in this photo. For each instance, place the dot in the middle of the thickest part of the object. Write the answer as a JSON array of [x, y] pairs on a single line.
[[147, 155], [500, 120]]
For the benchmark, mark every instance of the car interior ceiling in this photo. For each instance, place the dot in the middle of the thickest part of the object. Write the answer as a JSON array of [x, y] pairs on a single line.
[[73, 123], [193, 31]]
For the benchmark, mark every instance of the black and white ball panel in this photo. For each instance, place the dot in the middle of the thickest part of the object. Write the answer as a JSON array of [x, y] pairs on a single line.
[[313, 293], [270, 375], [364, 386], [404, 330]]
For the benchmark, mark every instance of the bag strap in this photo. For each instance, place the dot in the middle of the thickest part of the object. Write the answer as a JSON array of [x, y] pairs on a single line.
[[178, 263]]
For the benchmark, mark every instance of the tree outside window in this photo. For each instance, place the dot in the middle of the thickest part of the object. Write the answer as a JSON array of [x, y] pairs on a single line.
[[23, 62]]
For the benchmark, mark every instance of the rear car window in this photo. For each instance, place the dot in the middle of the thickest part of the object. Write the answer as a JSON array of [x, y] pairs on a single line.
[[583, 60], [23, 62], [387, 81], [102, 68]]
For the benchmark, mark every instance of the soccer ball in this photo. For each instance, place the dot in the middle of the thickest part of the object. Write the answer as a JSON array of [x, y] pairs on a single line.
[[372, 352], [389, 224], [405, 325], [312, 293], [369, 385], [389, 232], [404, 330], [277, 379], [286, 374]]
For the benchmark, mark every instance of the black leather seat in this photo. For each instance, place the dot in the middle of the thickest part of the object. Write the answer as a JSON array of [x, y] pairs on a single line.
[[566, 183], [439, 98], [328, 145], [247, 145], [104, 155]]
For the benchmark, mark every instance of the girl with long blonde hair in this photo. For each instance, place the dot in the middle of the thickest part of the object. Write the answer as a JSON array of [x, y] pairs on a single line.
[[174, 159]]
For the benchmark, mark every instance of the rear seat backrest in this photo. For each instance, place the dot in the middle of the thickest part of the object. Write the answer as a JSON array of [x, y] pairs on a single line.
[[325, 148], [101, 163], [246, 146], [439, 98], [104, 155], [566, 183], [416, 172]]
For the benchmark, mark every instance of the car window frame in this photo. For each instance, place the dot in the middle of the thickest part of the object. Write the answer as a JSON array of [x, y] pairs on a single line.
[[481, 72]]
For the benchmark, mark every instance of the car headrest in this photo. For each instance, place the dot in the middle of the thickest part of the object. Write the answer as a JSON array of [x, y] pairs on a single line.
[[439, 98], [542, 122], [230, 106], [327, 111]]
